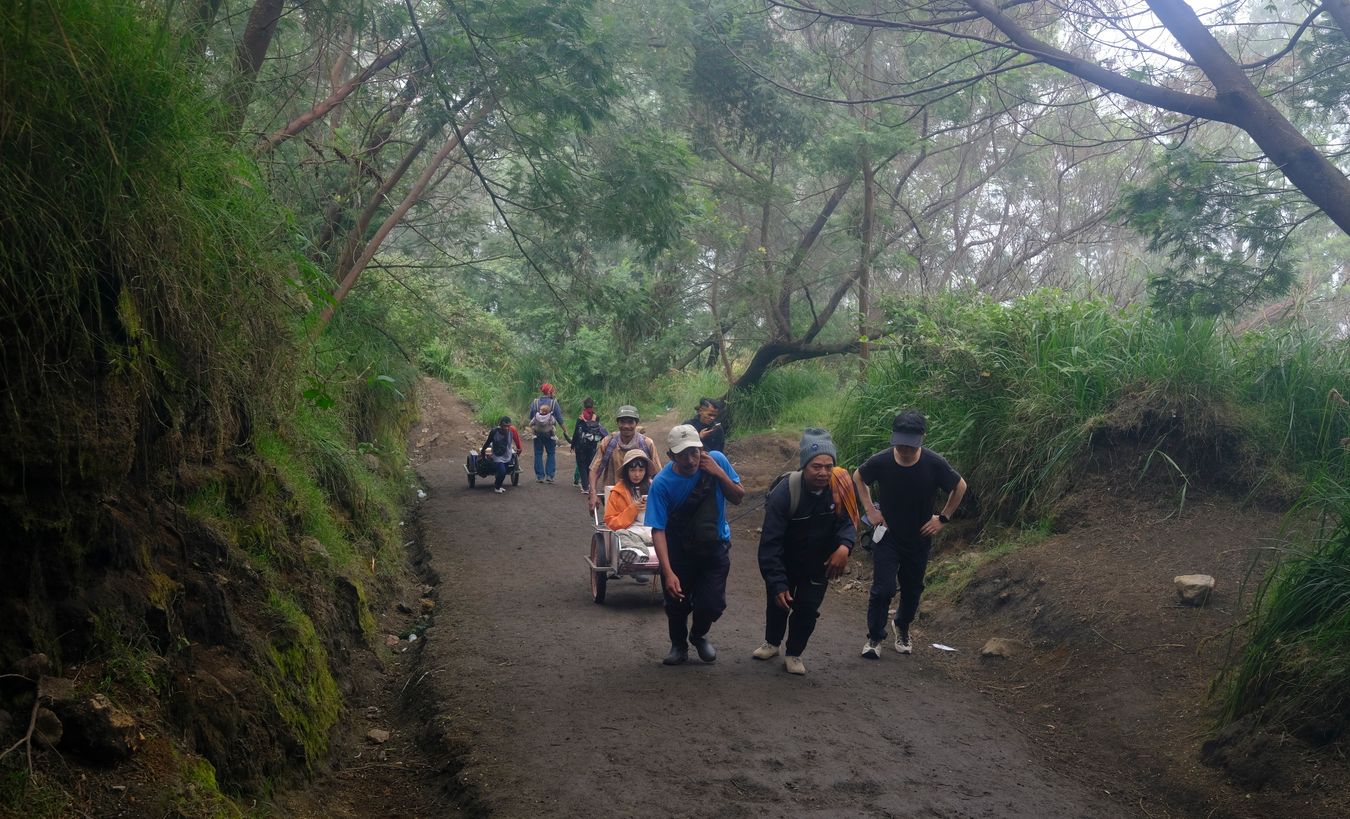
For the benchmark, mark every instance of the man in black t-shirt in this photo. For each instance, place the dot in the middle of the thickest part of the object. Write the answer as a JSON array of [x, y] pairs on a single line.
[[909, 477]]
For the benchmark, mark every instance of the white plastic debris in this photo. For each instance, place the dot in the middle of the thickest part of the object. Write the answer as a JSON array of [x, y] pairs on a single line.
[[941, 647]]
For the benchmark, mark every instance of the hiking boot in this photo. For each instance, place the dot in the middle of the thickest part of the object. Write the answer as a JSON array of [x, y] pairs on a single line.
[[677, 655], [705, 649], [794, 665], [902, 643], [872, 651], [765, 652]]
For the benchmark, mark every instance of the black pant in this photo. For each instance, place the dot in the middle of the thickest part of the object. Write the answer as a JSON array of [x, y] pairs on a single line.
[[584, 457], [896, 564], [808, 592], [703, 578]]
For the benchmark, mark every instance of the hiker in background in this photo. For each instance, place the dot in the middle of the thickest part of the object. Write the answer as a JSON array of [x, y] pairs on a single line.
[[587, 435], [504, 440], [612, 449], [810, 526], [545, 418], [626, 509], [711, 431], [688, 515], [909, 476]]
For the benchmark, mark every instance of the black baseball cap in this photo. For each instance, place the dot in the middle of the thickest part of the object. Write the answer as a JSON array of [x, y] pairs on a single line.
[[907, 429]]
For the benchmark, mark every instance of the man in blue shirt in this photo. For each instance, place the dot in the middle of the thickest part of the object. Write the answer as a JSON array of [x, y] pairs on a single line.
[[686, 510]]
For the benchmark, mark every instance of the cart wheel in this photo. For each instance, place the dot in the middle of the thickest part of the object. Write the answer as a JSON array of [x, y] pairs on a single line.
[[472, 479], [599, 580], [515, 478]]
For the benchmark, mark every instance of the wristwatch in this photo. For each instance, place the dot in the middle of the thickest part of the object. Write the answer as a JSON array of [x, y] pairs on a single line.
[[944, 518]]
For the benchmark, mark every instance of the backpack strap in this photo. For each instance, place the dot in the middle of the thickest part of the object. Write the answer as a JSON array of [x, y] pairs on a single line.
[[794, 480]]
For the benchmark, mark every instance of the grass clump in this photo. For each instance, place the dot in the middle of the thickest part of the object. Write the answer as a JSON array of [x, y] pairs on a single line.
[[1294, 670], [32, 796], [948, 576]]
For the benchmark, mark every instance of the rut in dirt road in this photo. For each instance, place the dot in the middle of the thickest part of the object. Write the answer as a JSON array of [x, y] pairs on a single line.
[[562, 707]]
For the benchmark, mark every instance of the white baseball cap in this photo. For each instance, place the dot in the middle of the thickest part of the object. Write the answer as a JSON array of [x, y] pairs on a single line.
[[683, 437]]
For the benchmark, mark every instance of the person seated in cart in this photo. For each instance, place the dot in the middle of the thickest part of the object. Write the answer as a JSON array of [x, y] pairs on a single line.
[[504, 441], [627, 507]]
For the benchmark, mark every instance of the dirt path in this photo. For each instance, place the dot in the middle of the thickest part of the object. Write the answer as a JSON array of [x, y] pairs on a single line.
[[562, 707]]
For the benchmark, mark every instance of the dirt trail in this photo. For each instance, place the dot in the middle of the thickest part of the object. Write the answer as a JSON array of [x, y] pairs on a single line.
[[562, 707]]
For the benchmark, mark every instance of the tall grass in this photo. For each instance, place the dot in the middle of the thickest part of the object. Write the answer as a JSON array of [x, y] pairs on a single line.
[[792, 397], [1295, 669], [1017, 394]]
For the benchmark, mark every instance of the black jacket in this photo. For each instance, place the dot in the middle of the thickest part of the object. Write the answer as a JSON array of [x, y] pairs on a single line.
[[800, 545]]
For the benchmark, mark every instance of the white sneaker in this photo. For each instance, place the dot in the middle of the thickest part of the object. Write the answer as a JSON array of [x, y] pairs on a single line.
[[501, 490], [902, 643], [872, 651], [794, 665], [765, 652]]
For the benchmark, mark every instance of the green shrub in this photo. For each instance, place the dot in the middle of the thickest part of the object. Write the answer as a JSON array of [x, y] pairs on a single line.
[[1295, 668]]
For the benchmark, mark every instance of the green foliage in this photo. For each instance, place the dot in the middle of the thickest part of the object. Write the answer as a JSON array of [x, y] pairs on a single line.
[[1224, 235], [747, 108], [196, 792], [126, 220], [125, 650], [1016, 394], [1295, 669], [33, 796], [796, 396], [297, 677], [302, 496]]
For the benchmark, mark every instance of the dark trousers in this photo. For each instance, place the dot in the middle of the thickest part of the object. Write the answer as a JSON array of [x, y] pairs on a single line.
[[901, 565], [808, 592], [501, 473], [703, 578], [584, 458]]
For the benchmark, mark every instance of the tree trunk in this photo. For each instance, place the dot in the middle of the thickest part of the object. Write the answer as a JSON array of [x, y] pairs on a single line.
[[1310, 171], [202, 19], [339, 94], [777, 353], [378, 138], [248, 60], [1237, 101], [372, 207], [413, 196], [865, 252]]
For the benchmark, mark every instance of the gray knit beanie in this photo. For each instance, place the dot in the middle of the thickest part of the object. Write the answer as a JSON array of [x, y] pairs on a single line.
[[817, 441]]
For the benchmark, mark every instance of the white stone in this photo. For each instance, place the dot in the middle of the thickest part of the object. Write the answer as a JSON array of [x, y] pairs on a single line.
[[1193, 589]]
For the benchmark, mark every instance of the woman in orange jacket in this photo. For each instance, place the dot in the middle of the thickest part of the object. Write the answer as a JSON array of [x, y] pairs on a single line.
[[627, 504]]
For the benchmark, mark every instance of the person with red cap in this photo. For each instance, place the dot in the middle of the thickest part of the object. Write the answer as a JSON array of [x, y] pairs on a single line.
[[545, 417]]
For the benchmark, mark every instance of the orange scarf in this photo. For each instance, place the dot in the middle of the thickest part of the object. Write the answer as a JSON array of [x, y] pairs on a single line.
[[841, 487]]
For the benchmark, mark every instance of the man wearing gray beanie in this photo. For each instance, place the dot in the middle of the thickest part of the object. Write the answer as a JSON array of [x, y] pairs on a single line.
[[806, 539]]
